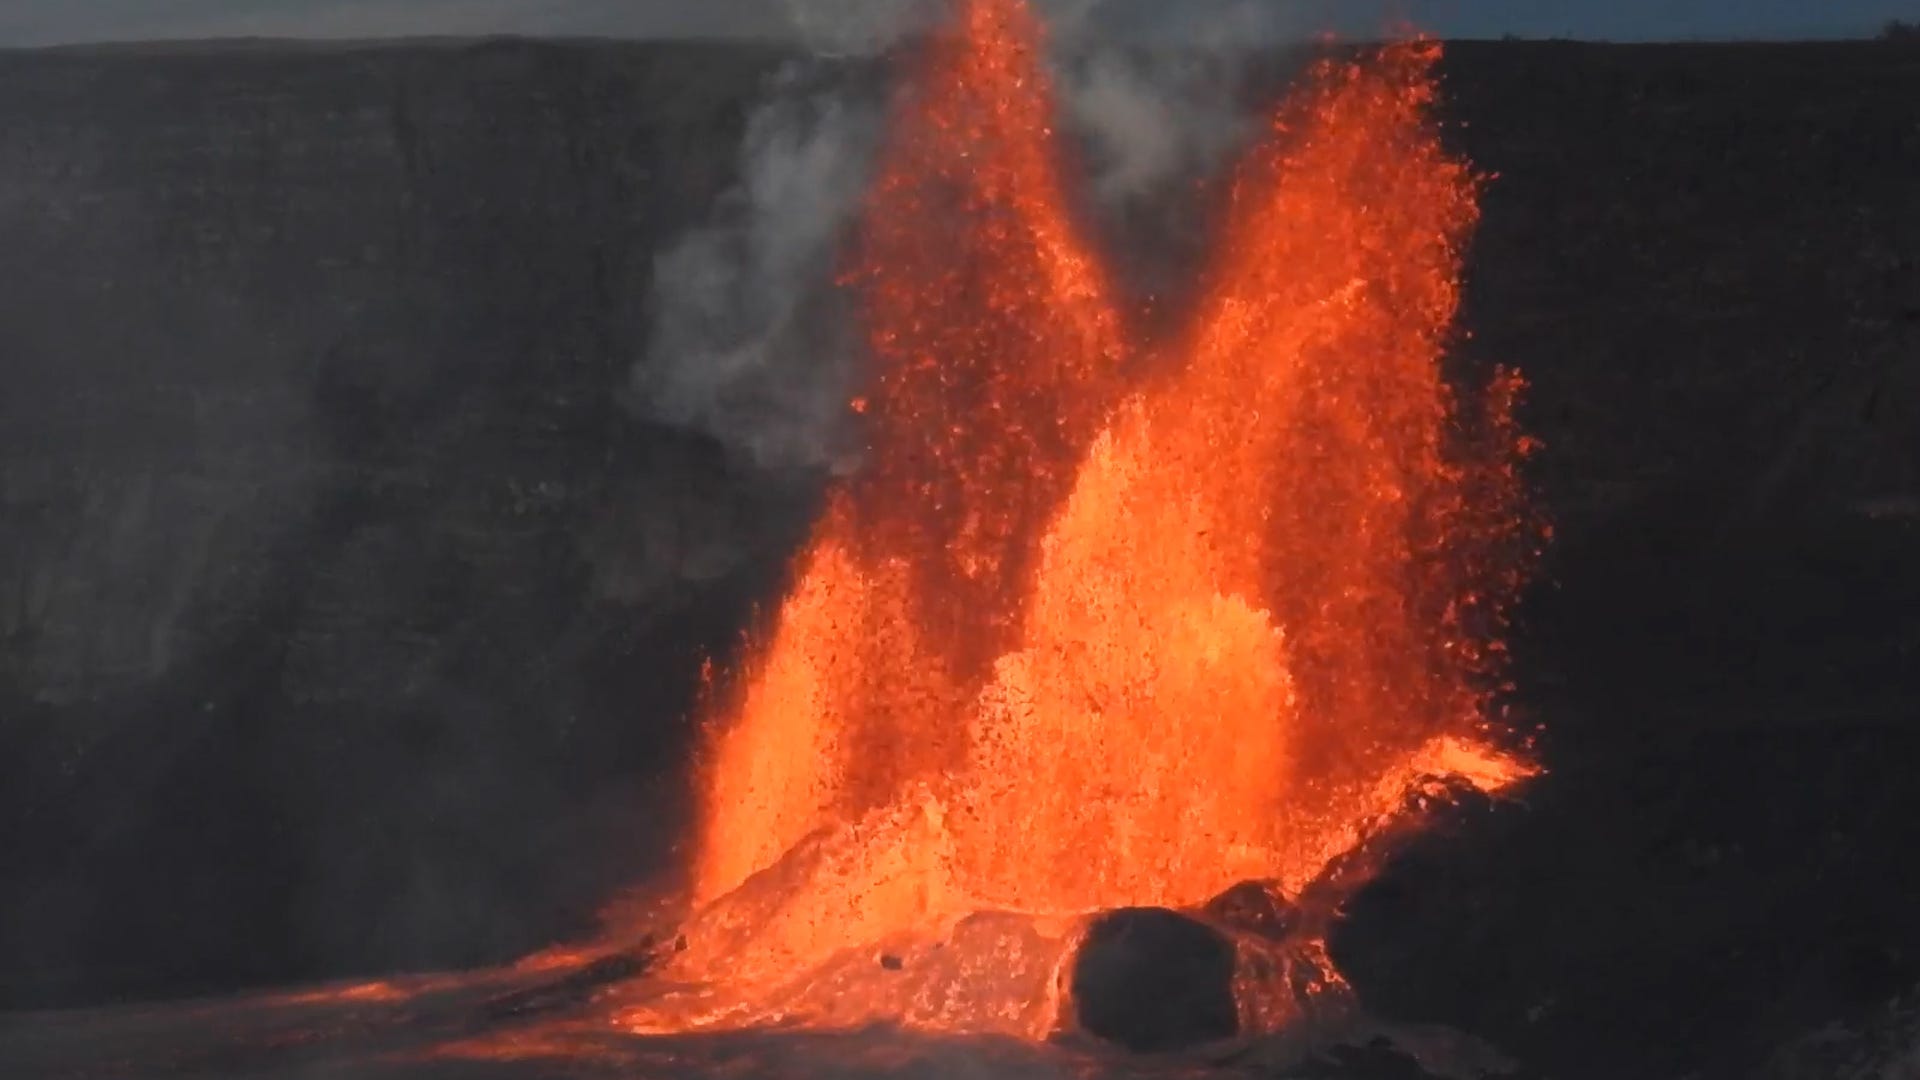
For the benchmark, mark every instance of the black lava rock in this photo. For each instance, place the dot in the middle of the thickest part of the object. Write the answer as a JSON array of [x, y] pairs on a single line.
[[1378, 1060], [1256, 907], [1150, 979]]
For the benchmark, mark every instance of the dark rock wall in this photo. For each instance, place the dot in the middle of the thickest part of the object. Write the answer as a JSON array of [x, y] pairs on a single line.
[[1707, 259], [348, 615]]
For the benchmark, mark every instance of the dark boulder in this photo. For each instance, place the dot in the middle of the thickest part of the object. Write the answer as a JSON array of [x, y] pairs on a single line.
[[1150, 979]]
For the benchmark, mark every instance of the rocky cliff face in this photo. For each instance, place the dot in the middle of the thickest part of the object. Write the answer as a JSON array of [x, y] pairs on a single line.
[[242, 283], [350, 616], [334, 575]]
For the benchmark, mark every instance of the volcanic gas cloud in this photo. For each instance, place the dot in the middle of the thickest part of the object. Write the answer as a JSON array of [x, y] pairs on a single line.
[[1105, 621]]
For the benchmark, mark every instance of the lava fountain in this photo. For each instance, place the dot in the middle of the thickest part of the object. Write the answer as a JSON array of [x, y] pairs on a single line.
[[1109, 622]]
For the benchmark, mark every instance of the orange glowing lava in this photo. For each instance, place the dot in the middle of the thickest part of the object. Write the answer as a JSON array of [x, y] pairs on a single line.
[[1108, 622]]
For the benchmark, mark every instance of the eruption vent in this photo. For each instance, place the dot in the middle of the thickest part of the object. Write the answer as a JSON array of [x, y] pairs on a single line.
[[1109, 622]]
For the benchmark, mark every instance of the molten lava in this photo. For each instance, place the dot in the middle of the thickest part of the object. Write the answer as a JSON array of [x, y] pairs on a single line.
[[1107, 622]]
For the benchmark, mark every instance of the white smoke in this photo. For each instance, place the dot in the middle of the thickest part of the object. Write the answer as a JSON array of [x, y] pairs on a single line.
[[749, 339], [1157, 90], [1151, 119], [744, 342], [857, 27]]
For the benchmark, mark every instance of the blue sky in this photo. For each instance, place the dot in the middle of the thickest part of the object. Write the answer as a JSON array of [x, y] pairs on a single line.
[[33, 22]]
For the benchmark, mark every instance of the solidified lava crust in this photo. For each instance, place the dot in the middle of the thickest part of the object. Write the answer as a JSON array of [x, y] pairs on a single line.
[[1152, 979]]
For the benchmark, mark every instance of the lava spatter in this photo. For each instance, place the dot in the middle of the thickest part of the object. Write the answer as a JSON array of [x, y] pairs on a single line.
[[1079, 638]]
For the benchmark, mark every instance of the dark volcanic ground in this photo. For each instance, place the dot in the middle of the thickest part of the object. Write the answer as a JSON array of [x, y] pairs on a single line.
[[350, 618]]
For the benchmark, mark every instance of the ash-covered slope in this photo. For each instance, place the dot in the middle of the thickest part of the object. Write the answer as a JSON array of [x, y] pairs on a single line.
[[350, 617]]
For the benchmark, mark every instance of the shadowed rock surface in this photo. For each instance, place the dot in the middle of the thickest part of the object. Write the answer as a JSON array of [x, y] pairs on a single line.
[[349, 618], [1151, 979]]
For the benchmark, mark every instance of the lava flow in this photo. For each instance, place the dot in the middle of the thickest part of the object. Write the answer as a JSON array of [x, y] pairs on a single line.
[[1107, 622]]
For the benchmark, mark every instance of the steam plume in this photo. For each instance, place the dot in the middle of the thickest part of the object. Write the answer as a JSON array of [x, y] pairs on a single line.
[[746, 343], [749, 341]]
